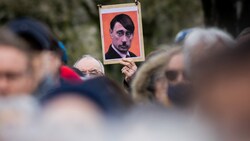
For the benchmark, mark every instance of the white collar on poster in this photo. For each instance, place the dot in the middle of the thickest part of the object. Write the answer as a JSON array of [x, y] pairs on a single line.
[[121, 54]]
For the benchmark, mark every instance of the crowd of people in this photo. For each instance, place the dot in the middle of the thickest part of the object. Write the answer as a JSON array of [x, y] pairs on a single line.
[[197, 88]]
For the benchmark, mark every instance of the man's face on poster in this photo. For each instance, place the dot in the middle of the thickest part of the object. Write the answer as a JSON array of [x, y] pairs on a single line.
[[121, 37]]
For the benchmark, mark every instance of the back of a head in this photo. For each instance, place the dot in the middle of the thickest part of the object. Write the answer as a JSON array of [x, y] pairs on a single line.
[[207, 38], [111, 90], [203, 42], [225, 61], [103, 92], [221, 82]]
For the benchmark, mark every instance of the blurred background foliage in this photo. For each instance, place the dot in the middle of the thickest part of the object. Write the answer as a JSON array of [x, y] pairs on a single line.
[[76, 22]]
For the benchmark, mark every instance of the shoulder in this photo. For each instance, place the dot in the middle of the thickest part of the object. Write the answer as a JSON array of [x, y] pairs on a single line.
[[110, 54]]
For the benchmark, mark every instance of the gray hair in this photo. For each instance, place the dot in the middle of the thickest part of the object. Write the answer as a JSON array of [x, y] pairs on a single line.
[[89, 56], [201, 40]]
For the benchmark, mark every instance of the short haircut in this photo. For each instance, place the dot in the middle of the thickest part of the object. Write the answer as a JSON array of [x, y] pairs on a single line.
[[36, 34], [9, 39], [124, 20], [89, 56], [227, 62], [204, 41]]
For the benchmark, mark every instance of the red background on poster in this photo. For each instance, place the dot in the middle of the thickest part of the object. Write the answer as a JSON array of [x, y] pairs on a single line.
[[106, 19]]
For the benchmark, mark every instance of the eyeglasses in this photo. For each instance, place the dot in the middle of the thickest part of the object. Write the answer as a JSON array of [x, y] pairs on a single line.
[[92, 73], [172, 75]]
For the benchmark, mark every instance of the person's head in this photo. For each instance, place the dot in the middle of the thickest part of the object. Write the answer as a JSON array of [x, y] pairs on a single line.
[[16, 73], [179, 89], [72, 105], [90, 66], [119, 100], [204, 42], [43, 45], [222, 85], [175, 68], [151, 81], [122, 32], [95, 98]]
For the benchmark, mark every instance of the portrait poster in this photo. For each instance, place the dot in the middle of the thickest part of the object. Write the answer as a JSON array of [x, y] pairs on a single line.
[[121, 32]]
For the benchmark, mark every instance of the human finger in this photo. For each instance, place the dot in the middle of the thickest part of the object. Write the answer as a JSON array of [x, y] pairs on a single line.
[[124, 63]]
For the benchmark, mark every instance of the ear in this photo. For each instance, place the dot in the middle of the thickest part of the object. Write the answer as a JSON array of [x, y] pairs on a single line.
[[110, 32]]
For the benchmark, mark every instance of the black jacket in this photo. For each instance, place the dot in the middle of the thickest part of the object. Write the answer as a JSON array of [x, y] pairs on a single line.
[[112, 54]]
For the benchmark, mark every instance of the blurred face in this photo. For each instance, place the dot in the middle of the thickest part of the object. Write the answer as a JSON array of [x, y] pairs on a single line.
[[121, 38], [161, 90], [89, 67], [226, 98], [175, 69], [15, 75], [45, 64], [174, 72]]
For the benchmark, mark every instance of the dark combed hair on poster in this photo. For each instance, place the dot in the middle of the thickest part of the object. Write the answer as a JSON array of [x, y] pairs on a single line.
[[124, 20]]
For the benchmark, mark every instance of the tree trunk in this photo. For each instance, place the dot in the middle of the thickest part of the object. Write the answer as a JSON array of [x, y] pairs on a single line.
[[231, 15]]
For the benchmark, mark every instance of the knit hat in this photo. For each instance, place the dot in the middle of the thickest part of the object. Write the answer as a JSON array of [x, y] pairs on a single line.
[[34, 32]]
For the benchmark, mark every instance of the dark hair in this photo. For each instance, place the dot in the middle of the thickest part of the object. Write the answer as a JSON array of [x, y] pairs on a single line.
[[124, 20], [8, 38], [102, 91], [35, 33]]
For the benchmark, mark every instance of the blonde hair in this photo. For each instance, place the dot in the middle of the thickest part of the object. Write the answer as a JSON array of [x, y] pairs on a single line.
[[153, 68]]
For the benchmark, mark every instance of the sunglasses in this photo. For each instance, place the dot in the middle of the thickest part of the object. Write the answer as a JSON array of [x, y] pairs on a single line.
[[172, 75]]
